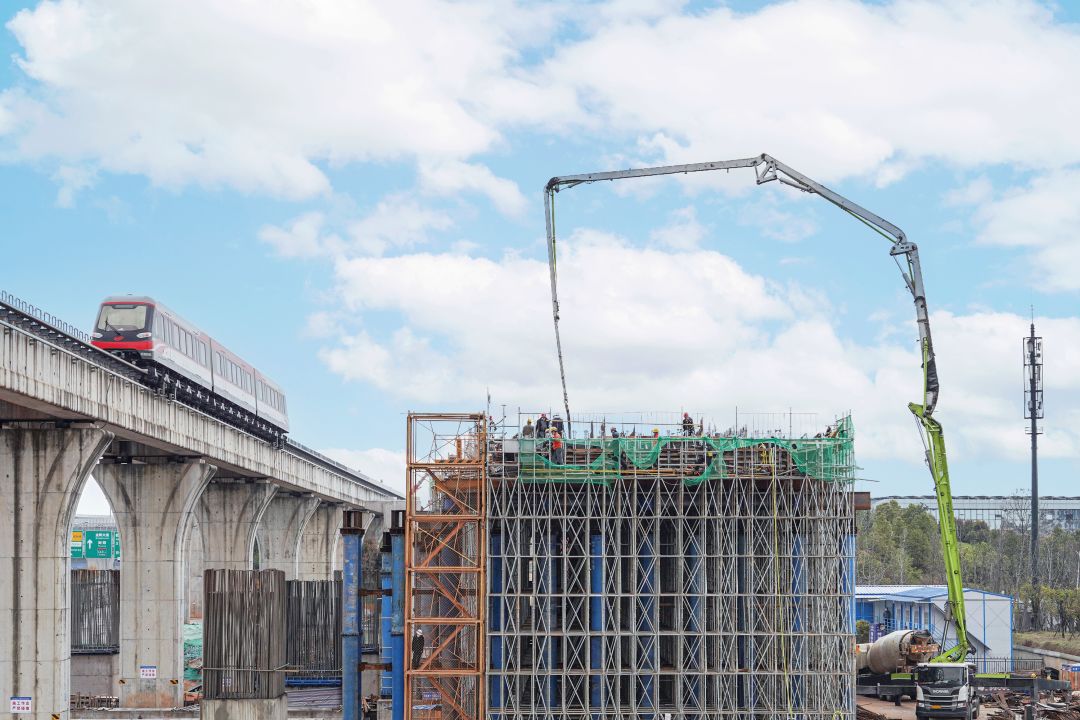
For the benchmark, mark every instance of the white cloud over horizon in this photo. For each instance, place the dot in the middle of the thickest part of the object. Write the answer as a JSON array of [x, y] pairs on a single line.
[[386, 466], [656, 329], [219, 95]]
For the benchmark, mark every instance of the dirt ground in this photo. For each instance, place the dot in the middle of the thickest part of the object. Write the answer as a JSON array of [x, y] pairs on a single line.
[[906, 711]]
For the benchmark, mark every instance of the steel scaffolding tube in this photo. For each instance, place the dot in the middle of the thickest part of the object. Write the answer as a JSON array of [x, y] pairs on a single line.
[[648, 596], [445, 566]]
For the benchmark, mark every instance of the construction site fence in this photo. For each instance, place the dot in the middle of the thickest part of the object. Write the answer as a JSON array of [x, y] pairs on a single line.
[[1007, 665], [244, 634], [95, 611]]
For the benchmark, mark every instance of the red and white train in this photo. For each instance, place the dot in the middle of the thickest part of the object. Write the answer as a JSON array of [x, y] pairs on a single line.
[[146, 333]]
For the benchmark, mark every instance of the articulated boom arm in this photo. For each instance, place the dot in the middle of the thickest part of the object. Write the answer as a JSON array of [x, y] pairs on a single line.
[[767, 169]]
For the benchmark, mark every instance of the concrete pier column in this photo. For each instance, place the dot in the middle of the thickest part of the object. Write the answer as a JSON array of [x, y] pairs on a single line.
[[319, 541], [153, 505], [42, 473], [229, 513], [280, 529], [193, 562]]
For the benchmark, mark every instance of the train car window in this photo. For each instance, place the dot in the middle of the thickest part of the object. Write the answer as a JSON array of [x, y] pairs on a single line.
[[157, 326], [122, 317]]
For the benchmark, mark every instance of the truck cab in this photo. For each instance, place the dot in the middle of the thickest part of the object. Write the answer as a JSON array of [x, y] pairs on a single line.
[[946, 690]]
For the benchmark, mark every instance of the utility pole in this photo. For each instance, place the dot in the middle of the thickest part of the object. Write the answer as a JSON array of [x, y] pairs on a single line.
[[1033, 410]]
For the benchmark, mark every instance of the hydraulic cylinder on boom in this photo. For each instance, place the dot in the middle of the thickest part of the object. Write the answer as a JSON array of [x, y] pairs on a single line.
[[906, 254]]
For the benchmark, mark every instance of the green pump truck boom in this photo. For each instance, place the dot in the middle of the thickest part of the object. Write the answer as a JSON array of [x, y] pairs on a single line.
[[906, 254]]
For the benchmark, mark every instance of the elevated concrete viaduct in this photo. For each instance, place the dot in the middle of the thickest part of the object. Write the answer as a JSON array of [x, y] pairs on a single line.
[[65, 416]]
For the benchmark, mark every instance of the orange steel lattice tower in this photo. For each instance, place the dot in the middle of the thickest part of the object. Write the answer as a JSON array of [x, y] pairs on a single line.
[[445, 566]]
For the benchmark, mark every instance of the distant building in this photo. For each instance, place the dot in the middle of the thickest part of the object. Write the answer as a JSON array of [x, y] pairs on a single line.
[[1001, 510], [922, 607]]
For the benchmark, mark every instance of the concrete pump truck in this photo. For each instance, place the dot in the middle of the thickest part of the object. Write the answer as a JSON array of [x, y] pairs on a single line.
[[945, 685]]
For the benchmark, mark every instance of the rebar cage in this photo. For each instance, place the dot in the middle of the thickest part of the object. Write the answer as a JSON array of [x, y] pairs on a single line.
[[701, 577]]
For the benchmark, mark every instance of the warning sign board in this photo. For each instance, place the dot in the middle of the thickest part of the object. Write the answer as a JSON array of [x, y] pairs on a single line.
[[147, 672], [21, 704]]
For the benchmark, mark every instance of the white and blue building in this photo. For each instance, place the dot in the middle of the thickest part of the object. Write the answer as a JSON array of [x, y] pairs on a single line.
[[922, 607]]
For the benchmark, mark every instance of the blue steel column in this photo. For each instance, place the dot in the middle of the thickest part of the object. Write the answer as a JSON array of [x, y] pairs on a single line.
[[495, 654], [385, 657], [596, 620], [352, 538], [397, 613]]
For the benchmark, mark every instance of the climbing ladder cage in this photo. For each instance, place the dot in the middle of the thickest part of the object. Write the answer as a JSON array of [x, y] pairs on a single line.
[[445, 566], [678, 577]]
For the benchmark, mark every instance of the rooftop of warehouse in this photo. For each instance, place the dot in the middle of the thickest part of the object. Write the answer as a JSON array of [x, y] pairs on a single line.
[[911, 592]]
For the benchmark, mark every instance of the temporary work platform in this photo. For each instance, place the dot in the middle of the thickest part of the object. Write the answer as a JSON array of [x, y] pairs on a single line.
[[682, 576]]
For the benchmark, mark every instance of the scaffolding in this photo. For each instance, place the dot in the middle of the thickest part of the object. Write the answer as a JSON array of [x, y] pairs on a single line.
[[683, 574], [677, 575], [445, 566]]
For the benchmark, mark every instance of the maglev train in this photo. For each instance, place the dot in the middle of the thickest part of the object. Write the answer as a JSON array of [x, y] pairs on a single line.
[[146, 333]]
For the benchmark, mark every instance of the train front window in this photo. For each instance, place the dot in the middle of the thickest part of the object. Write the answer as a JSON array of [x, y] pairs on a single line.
[[120, 318]]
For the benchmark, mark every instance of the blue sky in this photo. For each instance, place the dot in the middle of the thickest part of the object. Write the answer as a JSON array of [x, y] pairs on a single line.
[[351, 199]]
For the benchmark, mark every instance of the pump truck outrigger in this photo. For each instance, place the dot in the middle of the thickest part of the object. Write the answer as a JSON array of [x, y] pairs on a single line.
[[768, 169]]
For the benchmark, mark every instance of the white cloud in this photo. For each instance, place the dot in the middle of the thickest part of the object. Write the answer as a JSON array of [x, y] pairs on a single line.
[[767, 214], [302, 237], [260, 96], [976, 192], [264, 98], [397, 221], [452, 176], [838, 87], [1041, 217], [644, 329], [387, 466], [683, 231], [71, 180]]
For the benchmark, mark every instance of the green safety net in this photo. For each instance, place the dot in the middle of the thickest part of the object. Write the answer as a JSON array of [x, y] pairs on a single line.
[[193, 651], [828, 458]]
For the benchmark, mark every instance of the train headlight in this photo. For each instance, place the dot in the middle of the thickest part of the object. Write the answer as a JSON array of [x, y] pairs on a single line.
[[143, 335], [97, 335]]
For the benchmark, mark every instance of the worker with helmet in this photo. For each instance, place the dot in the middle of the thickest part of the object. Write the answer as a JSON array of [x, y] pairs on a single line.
[[558, 452], [687, 425]]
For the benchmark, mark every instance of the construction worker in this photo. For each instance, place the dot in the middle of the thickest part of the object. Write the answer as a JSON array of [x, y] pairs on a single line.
[[417, 648], [529, 430], [687, 425], [656, 432], [542, 425], [614, 433], [556, 422], [558, 453]]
